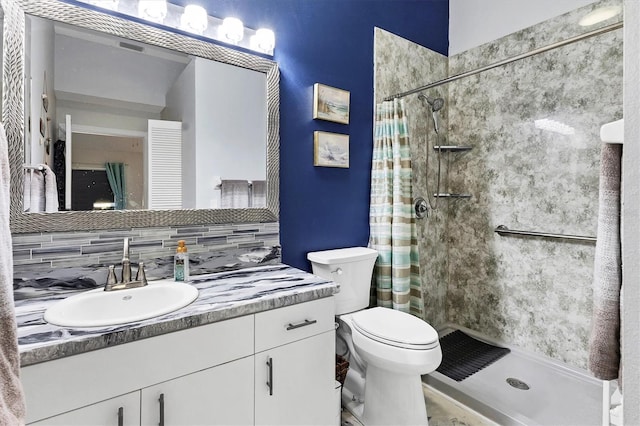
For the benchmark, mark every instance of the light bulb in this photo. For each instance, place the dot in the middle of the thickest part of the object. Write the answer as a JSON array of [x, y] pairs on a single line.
[[152, 10], [264, 40], [194, 19], [232, 30]]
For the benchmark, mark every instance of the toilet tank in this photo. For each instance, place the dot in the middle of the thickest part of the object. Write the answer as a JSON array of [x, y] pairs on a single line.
[[352, 268]]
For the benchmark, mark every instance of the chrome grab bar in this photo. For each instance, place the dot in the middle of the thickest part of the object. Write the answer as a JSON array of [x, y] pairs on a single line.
[[503, 230]]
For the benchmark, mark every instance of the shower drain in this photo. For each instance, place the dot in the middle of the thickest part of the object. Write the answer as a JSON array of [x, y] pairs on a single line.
[[518, 384]]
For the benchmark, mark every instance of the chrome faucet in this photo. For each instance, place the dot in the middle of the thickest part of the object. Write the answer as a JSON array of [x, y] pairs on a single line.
[[126, 263], [125, 282]]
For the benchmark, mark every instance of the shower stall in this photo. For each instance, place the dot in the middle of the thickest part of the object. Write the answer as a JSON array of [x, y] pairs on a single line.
[[516, 149]]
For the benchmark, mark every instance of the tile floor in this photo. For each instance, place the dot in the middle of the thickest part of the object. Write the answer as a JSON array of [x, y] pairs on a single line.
[[442, 411]]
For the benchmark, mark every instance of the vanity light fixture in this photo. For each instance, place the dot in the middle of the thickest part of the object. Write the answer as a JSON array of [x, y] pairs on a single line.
[[194, 19], [598, 15], [105, 4], [264, 40], [231, 30], [152, 10]]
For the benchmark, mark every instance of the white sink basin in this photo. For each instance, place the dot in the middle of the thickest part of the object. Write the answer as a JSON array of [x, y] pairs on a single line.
[[97, 308]]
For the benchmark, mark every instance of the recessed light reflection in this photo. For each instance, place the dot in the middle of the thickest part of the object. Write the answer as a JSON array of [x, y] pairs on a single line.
[[554, 126], [599, 15]]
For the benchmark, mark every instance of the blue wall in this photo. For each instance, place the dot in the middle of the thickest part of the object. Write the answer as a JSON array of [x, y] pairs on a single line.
[[329, 42]]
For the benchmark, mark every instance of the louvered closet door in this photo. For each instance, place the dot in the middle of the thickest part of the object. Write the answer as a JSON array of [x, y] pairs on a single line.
[[164, 165]]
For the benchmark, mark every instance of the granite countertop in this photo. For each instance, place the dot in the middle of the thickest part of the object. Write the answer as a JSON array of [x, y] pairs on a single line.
[[222, 295]]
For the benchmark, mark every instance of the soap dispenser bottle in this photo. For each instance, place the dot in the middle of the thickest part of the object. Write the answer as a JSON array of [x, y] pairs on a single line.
[[181, 263]]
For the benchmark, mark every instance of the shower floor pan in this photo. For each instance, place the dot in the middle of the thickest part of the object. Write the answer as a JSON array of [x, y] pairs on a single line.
[[556, 394]]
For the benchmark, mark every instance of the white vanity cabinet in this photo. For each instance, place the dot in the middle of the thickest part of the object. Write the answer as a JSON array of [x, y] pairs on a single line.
[[295, 365], [172, 360], [221, 395], [120, 411], [214, 374]]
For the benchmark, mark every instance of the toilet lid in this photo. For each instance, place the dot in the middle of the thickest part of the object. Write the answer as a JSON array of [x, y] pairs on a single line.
[[395, 328]]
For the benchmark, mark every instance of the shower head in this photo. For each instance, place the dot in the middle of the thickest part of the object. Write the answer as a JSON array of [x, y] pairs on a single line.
[[436, 104]]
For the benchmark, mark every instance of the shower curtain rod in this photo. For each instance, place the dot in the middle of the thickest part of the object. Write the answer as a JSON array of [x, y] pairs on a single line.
[[542, 49]]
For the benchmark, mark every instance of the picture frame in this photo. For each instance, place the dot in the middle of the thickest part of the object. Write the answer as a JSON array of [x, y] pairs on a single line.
[[330, 103], [330, 149]]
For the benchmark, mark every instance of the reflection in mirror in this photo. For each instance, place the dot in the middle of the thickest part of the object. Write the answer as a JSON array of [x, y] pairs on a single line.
[[127, 125], [18, 108]]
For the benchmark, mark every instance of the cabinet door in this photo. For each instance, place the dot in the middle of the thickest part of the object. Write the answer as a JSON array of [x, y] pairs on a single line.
[[120, 411], [295, 383], [221, 395]]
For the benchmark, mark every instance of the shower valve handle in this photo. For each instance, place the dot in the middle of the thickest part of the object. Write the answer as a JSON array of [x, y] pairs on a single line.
[[421, 208]]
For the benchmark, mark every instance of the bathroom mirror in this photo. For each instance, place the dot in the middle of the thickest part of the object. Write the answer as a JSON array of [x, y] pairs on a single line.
[[75, 19]]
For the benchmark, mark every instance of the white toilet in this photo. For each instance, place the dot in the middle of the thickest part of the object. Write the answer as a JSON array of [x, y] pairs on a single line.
[[389, 350]]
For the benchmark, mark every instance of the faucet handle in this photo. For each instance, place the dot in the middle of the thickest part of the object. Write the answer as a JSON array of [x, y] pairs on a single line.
[[125, 251], [140, 274], [111, 278]]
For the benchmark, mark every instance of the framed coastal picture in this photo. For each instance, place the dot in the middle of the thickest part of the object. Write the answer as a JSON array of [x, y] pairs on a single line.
[[330, 149], [330, 103]]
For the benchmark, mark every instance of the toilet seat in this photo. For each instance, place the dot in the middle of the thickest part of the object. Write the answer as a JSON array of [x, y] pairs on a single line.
[[395, 328]]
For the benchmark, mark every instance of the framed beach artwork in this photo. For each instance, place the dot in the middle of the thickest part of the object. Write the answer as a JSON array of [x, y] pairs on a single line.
[[330, 149], [330, 104]]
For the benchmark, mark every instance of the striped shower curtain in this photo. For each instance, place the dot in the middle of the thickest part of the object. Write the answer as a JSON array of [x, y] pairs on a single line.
[[392, 219]]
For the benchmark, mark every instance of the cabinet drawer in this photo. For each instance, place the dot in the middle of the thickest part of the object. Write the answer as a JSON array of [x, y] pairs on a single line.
[[123, 409], [285, 325]]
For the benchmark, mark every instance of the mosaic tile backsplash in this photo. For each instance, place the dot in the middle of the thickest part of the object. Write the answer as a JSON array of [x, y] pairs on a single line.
[[39, 253]]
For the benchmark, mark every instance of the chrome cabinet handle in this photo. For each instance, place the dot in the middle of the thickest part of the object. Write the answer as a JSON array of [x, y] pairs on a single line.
[[301, 324], [161, 401], [120, 416], [270, 374]]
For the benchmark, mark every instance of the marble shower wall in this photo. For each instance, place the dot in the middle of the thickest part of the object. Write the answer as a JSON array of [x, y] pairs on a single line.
[[401, 65], [534, 293]]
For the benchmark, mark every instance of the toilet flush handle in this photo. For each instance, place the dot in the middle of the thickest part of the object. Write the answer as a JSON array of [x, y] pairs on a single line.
[[337, 271]]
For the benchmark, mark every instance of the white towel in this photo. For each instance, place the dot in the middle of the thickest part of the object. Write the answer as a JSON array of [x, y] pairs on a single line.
[[36, 190], [26, 191], [12, 405], [40, 190], [50, 190], [258, 193], [234, 194]]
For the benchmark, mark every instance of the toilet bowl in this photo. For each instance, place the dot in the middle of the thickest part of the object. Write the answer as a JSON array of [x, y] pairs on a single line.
[[389, 350], [396, 341]]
